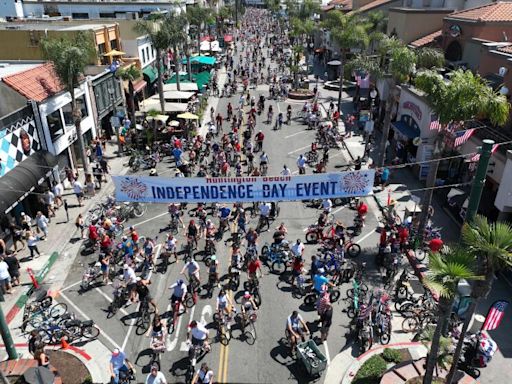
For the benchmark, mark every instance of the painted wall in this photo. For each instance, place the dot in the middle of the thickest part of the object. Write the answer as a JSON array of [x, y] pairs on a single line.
[[410, 25]]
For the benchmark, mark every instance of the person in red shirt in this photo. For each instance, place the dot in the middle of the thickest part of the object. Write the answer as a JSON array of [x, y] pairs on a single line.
[[106, 242], [259, 139], [435, 245], [297, 266], [383, 237], [336, 116], [253, 267], [225, 168], [134, 235], [177, 143], [403, 235], [362, 209]]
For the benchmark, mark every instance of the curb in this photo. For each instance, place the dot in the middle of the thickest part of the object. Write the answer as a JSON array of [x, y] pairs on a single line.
[[20, 303]]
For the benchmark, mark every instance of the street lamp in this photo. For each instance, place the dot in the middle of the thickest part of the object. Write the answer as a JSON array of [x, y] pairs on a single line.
[[340, 91], [114, 119], [373, 95]]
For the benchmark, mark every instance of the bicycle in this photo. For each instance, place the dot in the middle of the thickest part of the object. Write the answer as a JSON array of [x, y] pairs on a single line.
[[144, 318], [223, 323], [311, 298], [36, 313], [247, 320]]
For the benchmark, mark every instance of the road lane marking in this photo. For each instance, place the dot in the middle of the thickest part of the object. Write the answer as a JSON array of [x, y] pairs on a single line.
[[184, 346], [109, 299], [365, 236], [70, 286], [102, 332], [339, 209], [295, 134], [327, 356], [221, 365], [298, 150], [151, 219]]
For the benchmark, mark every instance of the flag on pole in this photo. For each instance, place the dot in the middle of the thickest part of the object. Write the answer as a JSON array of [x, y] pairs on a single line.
[[476, 157], [462, 136], [435, 125], [495, 315]]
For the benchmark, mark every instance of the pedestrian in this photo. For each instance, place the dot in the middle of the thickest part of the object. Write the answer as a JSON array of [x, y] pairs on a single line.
[[26, 221], [70, 175], [89, 185], [32, 240], [384, 177], [98, 175], [34, 342], [301, 164], [66, 207], [104, 167], [79, 223], [155, 376], [14, 268], [5, 277], [42, 224], [104, 259], [203, 375], [98, 150], [58, 190], [326, 321], [78, 189], [17, 236], [49, 201]]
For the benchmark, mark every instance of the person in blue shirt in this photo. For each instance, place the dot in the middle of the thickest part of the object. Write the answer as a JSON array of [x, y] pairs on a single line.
[[320, 280], [176, 152], [128, 246], [224, 212], [384, 177], [120, 365]]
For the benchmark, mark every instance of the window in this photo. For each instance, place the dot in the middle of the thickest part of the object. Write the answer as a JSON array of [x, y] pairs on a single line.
[[79, 15], [107, 15], [143, 56], [55, 125], [147, 53], [68, 112], [113, 44]]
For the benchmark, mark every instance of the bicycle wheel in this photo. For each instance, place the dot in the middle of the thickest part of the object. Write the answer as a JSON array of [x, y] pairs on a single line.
[[36, 320], [351, 312], [350, 293], [311, 237], [385, 338], [366, 345], [279, 267], [189, 300], [310, 299], [335, 295], [139, 209], [354, 250], [58, 310], [90, 332], [410, 325], [145, 319]]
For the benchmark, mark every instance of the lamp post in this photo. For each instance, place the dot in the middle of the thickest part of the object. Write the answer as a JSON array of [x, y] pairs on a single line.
[[114, 120], [340, 91]]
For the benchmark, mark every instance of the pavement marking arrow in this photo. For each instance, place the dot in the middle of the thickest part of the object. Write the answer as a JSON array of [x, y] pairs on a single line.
[[174, 342], [207, 310]]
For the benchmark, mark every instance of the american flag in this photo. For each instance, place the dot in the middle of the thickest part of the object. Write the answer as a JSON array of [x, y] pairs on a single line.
[[462, 136], [476, 157], [435, 125], [495, 315]]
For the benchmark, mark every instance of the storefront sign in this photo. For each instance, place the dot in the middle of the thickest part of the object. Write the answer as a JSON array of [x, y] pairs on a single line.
[[243, 189], [414, 108], [455, 30]]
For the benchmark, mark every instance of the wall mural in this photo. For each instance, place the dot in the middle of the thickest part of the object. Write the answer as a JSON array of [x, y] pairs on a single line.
[[17, 142]]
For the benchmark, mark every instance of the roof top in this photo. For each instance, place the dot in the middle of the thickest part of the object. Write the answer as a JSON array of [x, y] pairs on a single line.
[[36, 84], [11, 68], [494, 12], [340, 4], [507, 49], [373, 4], [425, 40], [36, 26]]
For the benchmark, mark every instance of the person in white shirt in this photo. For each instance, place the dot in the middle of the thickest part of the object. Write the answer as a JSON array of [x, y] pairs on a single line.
[[298, 248], [58, 190], [155, 376], [42, 224], [78, 190], [5, 277], [49, 200], [327, 205], [286, 171], [130, 278], [203, 376], [192, 268], [301, 164], [198, 334], [32, 244], [264, 209]]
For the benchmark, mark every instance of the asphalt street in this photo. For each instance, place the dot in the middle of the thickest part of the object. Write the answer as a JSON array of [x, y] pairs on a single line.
[[244, 360]]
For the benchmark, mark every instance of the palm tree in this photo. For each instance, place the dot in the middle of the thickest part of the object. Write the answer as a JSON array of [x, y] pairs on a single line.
[[130, 74], [492, 245], [196, 16], [446, 269], [70, 56], [175, 25], [158, 35], [462, 98], [348, 32]]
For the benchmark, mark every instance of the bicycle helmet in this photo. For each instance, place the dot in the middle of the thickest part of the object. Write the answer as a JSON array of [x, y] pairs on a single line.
[[247, 295], [179, 281], [125, 238], [213, 258]]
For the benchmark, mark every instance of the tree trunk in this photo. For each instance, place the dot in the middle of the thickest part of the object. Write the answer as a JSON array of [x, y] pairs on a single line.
[[477, 295], [176, 67], [341, 79], [386, 124], [76, 114], [160, 83], [189, 67], [199, 40], [131, 95], [444, 312]]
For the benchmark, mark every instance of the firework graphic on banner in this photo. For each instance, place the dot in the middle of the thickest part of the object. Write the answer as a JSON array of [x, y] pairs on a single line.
[[354, 183], [133, 188]]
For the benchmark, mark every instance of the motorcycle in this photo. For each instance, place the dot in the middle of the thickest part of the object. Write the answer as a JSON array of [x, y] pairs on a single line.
[[90, 275]]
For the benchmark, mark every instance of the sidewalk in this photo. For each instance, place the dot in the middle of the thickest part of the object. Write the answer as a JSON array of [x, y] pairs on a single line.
[[61, 246]]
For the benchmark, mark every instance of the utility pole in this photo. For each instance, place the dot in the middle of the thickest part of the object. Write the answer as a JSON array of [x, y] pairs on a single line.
[[479, 180], [6, 336], [236, 13]]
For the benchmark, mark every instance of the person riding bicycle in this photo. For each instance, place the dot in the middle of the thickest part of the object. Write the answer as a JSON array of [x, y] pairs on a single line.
[[192, 232], [210, 229], [213, 270], [322, 220], [280, 234], [327, 205], [320, 281], [120, 366], [155, 376], [224, 304], [197, 335], [204, 375], [251, 237], [295, 327], [247, 305], [286, 171], [297, 265], [192, 268], [259, 140], [264, 209], [148, 248], [179, 292], [174, 211], [143, 292], [252, 268], [224, 214], [170, 245]]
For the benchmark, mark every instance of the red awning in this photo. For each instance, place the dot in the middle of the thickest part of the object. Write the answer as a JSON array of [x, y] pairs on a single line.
[[228, 38], [139, 86]]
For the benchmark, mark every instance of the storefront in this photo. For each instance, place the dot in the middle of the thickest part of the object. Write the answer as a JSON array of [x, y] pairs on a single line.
[[108, 98]]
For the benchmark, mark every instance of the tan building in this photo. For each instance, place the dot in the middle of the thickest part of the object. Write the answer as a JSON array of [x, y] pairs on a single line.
[[21, 40]]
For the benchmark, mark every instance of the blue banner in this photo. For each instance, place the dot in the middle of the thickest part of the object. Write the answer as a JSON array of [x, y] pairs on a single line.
[[243, 189]]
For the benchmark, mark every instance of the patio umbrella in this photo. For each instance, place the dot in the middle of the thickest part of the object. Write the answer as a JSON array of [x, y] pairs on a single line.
[[188, 116], [115, 52], [39, 375], [162, 118], [174, 123]]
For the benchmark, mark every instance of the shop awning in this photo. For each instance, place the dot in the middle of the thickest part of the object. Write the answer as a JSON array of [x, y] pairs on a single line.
[[24, 178], [153, 104], [406, 129], [185, 86], [139, 86], [177, 95], [200, 79], [228, 38], [206, 60], [151, 73]]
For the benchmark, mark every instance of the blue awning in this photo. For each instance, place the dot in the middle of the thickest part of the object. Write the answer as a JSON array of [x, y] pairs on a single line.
[[207, 60], [406, 130]]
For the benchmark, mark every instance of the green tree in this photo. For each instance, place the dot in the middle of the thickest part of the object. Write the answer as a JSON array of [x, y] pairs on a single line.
[[70, 56], [446, 269], [130, 74], [491, 243], [464, 97], [176, 27], [156, 31], [429, 58], [197, 16], [348, 32]]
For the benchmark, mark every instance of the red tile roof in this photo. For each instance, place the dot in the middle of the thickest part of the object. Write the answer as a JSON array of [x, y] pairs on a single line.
[[425, 40], [37, 83], [494, 12], [373, 4], [506, 49]]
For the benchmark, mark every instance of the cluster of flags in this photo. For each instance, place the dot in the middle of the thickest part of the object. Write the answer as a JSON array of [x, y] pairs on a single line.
[[495, 315], [476, 156]]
